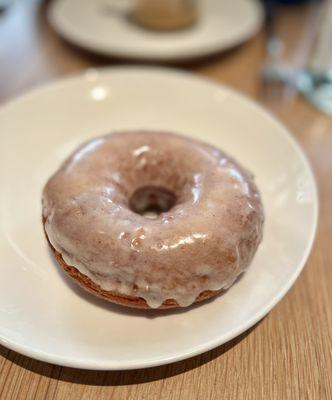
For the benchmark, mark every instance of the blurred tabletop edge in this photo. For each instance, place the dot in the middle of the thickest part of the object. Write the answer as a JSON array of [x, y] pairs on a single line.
[[288, 355]]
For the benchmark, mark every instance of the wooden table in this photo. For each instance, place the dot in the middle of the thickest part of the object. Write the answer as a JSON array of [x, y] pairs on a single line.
[[288, 355]]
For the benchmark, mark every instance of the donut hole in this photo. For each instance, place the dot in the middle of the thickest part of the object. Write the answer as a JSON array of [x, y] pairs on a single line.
[[151, 201]]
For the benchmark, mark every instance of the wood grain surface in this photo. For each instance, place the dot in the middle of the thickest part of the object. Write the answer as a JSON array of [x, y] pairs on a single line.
[[288, 355]]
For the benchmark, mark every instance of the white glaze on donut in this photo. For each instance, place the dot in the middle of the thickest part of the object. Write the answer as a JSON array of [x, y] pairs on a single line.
[[202, 243]]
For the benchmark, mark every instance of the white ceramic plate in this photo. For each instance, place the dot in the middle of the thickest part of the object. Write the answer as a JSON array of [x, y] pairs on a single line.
[[101, 26], [42, 314]]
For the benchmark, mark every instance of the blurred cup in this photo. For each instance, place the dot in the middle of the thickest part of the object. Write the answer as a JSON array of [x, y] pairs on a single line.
[[165, 14]]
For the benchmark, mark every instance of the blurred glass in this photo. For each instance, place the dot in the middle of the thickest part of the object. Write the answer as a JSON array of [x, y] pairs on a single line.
[[316, 80], [165, 14]]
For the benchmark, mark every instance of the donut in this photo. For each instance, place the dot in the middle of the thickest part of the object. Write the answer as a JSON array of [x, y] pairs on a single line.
[[165, 15], [152, 219]]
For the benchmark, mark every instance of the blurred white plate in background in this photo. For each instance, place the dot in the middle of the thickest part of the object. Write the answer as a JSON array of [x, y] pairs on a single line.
[[101, 26], [45, 316]]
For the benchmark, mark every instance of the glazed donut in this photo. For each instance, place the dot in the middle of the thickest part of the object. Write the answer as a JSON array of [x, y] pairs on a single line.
[[152, 219]]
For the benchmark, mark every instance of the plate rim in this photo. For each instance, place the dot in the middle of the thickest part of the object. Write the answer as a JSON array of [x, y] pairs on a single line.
[[206, 346], [101, 50]]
